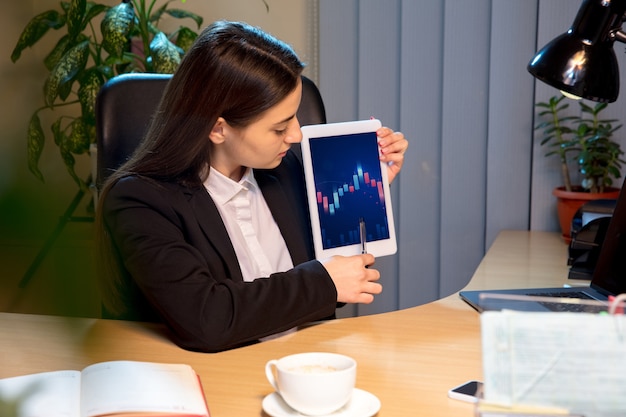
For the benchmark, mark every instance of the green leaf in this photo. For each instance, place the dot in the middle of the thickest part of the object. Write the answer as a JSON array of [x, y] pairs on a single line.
[[185, 38], [57, 132], [65, 89], [57, 52], [116, 26], [70, 64], [81, 135], [35, 29], [107, 68], [90, 85], [113, 63], [614, 171], [65, 144], [70, 162], [36, 140], [154, 17], [165, 55], [184, 14], [93, 10], [75, 15]]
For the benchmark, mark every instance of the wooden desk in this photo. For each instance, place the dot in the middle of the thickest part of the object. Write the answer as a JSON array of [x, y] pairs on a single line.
[[408, 358]]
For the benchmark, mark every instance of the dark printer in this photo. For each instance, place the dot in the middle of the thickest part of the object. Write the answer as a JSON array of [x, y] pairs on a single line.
[[588, 230]]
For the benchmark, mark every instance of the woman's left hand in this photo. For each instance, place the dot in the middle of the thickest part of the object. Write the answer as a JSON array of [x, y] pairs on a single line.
[[392, 145]]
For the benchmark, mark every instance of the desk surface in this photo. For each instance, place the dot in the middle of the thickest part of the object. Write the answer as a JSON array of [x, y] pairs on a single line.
[[407, 358]]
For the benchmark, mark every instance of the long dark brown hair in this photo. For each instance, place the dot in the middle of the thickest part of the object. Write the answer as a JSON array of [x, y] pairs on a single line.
[[234, 71]]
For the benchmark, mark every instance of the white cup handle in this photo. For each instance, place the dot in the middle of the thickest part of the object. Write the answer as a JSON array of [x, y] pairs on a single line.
[[269, 373]]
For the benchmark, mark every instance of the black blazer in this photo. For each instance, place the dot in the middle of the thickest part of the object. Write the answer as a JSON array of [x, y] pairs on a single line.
[[181, 267]]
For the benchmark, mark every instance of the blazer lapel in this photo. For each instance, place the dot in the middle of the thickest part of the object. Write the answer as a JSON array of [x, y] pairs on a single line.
[[213, 228], [285, 215]]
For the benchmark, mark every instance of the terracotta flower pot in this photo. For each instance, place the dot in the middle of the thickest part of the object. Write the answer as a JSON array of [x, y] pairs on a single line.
[[568, 203]]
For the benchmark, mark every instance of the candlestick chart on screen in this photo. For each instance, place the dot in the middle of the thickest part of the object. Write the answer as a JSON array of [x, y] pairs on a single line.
[[348, 185]]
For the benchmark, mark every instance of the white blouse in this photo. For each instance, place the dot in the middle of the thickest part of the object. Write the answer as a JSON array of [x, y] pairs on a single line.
[[259, 245]]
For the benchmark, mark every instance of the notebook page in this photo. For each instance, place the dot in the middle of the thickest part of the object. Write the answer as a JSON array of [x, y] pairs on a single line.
[[129, 386], [572, 360], [47, 394]]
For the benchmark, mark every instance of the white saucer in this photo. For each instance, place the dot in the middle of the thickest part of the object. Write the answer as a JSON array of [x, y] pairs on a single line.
[[362, 404]]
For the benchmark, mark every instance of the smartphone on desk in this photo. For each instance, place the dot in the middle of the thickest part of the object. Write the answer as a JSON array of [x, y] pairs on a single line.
[[469, 391]]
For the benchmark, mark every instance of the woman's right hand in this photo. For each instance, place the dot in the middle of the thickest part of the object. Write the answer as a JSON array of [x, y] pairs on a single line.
[[354, 281]]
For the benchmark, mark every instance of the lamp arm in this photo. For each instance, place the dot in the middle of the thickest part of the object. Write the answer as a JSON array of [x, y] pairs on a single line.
[[618, 35]]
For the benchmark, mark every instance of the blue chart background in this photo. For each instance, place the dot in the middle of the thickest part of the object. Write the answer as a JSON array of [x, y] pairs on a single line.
[[335, 160]]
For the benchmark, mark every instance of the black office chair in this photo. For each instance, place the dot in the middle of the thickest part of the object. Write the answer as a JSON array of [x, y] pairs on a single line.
[[125, 106]]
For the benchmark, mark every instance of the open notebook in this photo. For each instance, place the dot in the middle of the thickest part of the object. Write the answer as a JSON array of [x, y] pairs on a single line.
[[609, 277]]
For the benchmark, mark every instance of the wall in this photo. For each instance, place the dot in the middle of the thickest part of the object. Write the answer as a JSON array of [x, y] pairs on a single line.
[[451, 75]]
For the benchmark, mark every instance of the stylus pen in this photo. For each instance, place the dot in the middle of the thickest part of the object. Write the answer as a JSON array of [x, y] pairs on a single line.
[[362, 235]]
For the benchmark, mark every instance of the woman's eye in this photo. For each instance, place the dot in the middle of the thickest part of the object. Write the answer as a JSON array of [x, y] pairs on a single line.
[[281, 132]]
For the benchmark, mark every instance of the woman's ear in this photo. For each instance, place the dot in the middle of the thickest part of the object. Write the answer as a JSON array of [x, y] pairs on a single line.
[[218, 132]]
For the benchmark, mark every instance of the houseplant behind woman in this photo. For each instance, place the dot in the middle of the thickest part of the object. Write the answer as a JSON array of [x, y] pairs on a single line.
[[585, 142]]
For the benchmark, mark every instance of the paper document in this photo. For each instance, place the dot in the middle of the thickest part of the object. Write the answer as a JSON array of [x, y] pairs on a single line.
[[576, 361]]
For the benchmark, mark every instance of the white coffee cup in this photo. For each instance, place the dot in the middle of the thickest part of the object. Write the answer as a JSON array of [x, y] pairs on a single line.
[[313, 383]]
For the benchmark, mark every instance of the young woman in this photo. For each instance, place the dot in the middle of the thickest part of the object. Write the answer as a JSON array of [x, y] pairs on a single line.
[[206, 227]]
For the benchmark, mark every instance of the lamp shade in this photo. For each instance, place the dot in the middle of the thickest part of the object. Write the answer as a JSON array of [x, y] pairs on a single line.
[[587, 71], [582, 61]]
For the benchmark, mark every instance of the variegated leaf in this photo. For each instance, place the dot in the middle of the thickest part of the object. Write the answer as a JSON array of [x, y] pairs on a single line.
[[57, 132], [65, 89], [62, 46], [70, 162], [115, 27], [156, 15], [75, 16], [35, 29], [90, 85], [184, 14], [94, 10], [57, 52], [165, 55], [185, 38], [36, 140], [73, 61], [80, 137]]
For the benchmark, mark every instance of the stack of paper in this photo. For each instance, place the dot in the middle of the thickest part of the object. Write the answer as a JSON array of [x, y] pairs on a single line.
[[572, 361]]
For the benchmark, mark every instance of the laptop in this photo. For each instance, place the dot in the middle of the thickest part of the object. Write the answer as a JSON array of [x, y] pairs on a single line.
[[609, 278]]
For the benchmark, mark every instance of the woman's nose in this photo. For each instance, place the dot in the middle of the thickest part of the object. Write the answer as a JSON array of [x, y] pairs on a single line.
[[295, 133]]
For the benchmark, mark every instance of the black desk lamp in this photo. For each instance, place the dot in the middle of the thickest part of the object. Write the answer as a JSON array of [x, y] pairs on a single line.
[[581, 62]]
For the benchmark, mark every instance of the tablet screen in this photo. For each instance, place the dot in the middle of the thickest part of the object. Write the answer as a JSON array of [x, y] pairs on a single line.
[[347, 189]]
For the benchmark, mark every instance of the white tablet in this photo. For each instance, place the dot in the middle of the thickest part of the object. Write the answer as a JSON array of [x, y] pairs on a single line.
[[347, 189]]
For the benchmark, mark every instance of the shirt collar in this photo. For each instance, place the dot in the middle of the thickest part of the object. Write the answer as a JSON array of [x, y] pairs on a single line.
[[222, 189]]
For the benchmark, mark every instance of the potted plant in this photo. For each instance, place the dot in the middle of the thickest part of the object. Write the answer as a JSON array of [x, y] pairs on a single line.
[[584, 142], [84, 58]]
